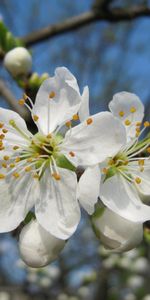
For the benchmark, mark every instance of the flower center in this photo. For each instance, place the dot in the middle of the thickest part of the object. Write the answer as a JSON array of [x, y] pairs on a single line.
[[37, 153], [128, 162]]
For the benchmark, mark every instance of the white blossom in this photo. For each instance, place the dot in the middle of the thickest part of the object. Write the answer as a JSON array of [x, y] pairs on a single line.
[[124, 178], [38, 170]]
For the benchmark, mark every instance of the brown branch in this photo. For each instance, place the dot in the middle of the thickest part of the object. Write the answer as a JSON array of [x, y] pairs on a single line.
[[10, 99], [74, 23]]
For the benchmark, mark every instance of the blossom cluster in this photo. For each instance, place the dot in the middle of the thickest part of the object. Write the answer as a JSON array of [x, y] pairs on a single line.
[[38, 171]]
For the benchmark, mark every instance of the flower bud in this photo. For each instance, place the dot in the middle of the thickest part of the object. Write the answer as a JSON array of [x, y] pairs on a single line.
[[116, 233], [18, 61], [38, 247]]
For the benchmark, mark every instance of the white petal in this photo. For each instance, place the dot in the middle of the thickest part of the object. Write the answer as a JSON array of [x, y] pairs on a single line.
[[93, 143], [121, 197], [17, 197], [89, 188], [57, 209], [38, 247], [144, 186], [116, 233], [55, 111], [84, 108], [14, 137], [123, 102]]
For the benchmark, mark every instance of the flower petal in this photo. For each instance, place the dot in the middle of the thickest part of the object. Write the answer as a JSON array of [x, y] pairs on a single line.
[[92, 143], [127, 106], [89, 188], [57, 209], [13, 136], [84, 108], [144, 186], [16, 199], [121, 196], [116, 233], [57, 100]]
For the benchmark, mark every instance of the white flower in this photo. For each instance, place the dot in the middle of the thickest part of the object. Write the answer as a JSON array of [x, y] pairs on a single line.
[[38, 170], [125, 175], [38, 247], [18, 61], [115, 232]]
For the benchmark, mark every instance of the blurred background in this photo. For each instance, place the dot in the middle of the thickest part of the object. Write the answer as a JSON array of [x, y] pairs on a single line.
[[108, 57]]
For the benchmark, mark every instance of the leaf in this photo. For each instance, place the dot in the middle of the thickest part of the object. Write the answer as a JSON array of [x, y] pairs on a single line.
[[29, 217]]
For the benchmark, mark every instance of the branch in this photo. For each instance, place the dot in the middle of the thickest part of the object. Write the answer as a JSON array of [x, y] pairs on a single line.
[[74, 23], [10, 99]]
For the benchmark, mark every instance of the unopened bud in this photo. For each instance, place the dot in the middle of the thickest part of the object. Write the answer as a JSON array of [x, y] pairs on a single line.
[[38, 247], [116, 233], [18, 61]]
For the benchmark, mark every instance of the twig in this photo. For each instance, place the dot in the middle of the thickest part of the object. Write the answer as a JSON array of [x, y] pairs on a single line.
[[10, 99], [74, 23]]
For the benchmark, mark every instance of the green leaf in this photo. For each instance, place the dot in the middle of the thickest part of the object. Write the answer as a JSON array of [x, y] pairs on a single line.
[[29, 217], [98, 212], [63, 162], [9, 41], [3, 31]]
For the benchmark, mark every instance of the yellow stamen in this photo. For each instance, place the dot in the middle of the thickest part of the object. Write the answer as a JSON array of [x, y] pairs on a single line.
[[132, 109], [2, 176], [138, 180], [72, 153], [141, 162], [68, 124], [25, 97], [89, 121], [4, 165], [16, 175], [121, 113], [36, 176], [6, 157], [1, 125], [75, 117], [4, 130], [2, 148], [138, 123], [21, 102], [51, 95], [127, 122], [146, 124], [56, 176], [35, 118], [148, 150], [28, 169], [15, 147], [17, 159], [12, 165], [2, 136], [104, 170]]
